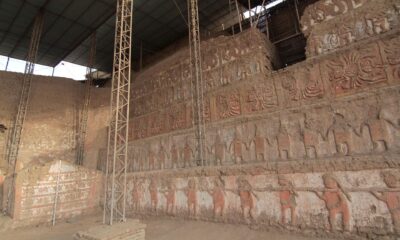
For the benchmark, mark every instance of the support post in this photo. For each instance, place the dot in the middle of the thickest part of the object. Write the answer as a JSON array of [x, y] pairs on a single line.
[[250, 12], [230, 12], [196, 82], [117, 149], [82, 128], [141, 56], [239, 16], [8, 61], [12, 151]]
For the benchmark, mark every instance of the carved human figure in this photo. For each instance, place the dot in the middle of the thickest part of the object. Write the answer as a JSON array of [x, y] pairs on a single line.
[[170, 196], [336, 202], [191, 195], [137, 194], [152, 160], [259, 145], [245, 192], [342, 133], [162, 155], [142, 160], [153, 189], [219, 150], [284, 143], [236, 147], [218, 196], [287, 197], [379, 132], [316, 130], [174, 156], [187, 155], [391, 197]]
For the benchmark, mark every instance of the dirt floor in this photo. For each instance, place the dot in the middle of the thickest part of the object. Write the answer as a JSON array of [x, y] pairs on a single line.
[[160, 229]]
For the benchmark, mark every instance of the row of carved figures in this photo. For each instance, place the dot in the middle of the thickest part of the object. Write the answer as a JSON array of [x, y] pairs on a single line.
[[215, 54], [335, 197], [315, 136]]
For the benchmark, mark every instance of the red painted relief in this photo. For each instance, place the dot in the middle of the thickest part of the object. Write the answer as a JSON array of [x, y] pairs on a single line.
[[228, 105], [355, 70], [336, 201], [391, 198]]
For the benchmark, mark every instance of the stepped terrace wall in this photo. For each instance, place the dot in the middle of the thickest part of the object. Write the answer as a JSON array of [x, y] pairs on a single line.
[[312, 148]]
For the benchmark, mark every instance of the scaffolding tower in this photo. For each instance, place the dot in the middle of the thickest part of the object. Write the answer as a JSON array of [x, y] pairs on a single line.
[[82, 127], [15, 137], [196, 82], [117, 150]]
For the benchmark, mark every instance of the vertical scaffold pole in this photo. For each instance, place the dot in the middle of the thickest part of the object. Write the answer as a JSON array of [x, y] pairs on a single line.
[[197, 82], [15, 137], [82, 128], [117, 150]]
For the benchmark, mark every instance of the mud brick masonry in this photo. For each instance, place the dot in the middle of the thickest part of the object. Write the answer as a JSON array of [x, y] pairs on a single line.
[[314, 146]]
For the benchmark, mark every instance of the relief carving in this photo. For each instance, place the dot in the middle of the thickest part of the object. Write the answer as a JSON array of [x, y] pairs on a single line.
[[218, 195], [316, 129], [162, 155], [174, 156], [325, 10], [153, 190], [228, 106], [391, 197], [187, 154], [170, 196], [219, 149], [259, 142], [287, 198], [177, 117], [336, 201], [261, 97], [391, 50], [303, 84], [191, 196], [356, 69], [236, 148], [137, 194], [246, 195]]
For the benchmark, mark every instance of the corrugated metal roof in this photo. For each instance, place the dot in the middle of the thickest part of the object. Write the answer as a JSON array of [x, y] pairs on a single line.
[[69, 23]]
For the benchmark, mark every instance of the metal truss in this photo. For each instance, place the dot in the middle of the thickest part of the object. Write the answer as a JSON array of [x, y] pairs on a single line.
[[117, 151], [196, 82], [15, 137], [82, 128]]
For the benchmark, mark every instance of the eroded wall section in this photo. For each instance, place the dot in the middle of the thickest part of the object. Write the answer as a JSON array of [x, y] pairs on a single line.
[[57, 189]]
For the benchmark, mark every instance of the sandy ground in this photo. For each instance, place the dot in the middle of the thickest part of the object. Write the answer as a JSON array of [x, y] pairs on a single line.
[[157, 229]]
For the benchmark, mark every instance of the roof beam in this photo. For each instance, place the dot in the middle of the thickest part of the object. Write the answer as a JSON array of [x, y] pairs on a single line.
[[16, 45], [84, 36]]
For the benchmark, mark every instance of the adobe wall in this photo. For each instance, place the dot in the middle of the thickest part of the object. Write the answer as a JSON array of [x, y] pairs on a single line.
[[51, 123], [311, 148], [57, 188]]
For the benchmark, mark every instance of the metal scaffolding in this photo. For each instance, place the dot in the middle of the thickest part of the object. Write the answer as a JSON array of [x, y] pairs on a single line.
[[196, 82], [15, 137], [82, 128], [117, 151]]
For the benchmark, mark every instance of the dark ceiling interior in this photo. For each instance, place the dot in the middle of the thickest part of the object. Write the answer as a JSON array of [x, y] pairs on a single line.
[[69, 24], [157, 24]]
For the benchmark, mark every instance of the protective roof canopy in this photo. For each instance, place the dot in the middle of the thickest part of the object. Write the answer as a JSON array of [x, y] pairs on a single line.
[[69, 24]]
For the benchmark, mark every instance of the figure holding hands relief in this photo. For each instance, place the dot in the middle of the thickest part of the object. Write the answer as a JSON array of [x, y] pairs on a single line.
[[391, 198], [336, 201]]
